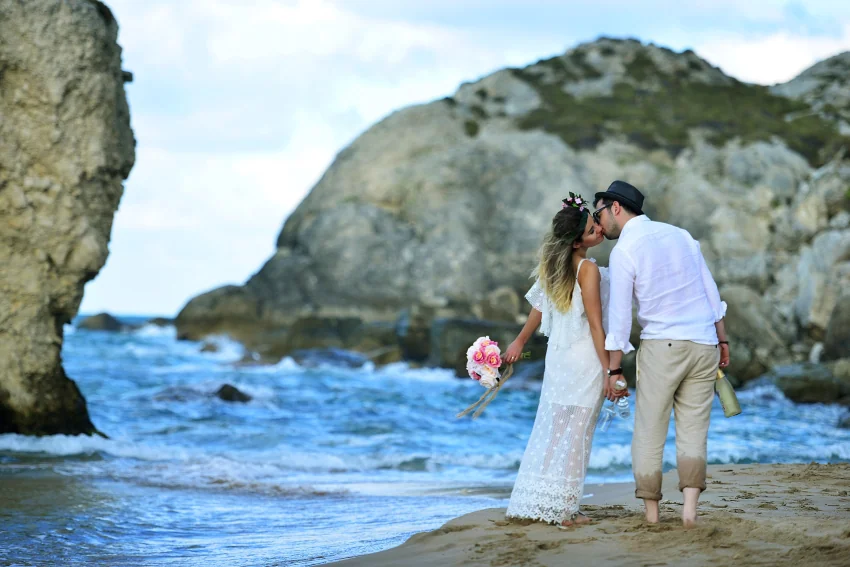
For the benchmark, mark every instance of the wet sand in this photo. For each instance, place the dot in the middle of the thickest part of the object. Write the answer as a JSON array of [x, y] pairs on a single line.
[[749, 515]]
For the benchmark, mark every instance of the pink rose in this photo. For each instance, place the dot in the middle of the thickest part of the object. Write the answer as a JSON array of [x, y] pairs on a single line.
[[486, 343], [494, 360], [478, 356], [578, 201], [474, 375]]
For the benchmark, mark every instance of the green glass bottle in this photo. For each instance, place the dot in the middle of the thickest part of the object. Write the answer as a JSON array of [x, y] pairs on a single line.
[[728, 399]]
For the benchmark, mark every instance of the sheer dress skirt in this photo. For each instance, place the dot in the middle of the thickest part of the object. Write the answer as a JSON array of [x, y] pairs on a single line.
[[550, 481]]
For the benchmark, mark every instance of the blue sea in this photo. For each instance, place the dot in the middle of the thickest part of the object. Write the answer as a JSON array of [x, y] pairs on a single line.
[[325, 462]]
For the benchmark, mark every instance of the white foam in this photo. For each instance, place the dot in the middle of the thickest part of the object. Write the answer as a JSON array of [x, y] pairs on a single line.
[[322, 462], [404, 370], [67, 445], [228, 350], [151, 330], [286, 365], [614, 455], [223, 473]]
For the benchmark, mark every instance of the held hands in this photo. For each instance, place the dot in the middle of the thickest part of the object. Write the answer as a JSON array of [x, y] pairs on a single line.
[[514, 352], [609, 389]]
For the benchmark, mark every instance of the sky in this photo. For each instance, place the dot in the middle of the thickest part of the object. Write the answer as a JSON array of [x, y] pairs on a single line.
[[239, 106]]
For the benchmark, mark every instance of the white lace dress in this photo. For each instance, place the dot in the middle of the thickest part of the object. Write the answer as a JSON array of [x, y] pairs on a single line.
[[550, 482]]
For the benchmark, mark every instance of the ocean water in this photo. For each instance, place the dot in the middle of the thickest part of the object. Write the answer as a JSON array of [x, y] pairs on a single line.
[[325, 462]]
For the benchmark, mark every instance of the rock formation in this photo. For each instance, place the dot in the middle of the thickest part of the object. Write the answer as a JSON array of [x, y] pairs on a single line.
[[65, 149], [102, 322], [433, 216]]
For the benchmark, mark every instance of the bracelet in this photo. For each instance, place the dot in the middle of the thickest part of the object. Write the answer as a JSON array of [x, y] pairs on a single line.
[[723, 342], [615, 372]]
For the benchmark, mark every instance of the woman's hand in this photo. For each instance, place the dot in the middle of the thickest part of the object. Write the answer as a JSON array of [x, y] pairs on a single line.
[[514, 351]]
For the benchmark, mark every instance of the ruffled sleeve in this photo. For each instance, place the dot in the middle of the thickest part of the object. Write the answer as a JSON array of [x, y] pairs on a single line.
[[536, 296]]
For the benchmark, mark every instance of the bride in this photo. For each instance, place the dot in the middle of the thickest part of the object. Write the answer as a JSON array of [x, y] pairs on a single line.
[[567, 301]]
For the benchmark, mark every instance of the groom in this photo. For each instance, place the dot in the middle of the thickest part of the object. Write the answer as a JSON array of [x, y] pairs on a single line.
[[683, 341]]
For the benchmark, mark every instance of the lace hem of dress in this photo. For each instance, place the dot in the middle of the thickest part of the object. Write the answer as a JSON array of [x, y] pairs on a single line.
[[552, 501]]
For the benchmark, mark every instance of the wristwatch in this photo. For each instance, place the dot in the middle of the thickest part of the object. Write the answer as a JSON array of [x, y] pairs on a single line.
[[615, 372]]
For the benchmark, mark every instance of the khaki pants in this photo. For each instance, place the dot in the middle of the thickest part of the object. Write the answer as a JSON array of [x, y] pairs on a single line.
[[678, 375]]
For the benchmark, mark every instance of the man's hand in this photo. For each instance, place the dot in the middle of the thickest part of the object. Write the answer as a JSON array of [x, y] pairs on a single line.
[[514, 352], [724, 356]]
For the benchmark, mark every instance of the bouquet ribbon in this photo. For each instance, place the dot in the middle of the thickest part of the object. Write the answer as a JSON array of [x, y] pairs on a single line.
[[488, 396]]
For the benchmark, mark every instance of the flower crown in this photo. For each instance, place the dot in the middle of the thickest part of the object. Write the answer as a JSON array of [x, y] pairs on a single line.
[[575, 201]]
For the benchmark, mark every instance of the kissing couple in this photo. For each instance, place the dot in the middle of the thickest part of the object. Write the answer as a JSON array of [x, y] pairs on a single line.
[[586, 312]]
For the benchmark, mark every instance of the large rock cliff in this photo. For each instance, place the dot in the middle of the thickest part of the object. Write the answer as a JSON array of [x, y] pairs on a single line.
[[65, 149], [436, 212]]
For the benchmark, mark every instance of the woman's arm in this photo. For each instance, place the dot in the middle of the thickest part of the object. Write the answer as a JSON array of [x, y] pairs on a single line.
[[590, 280], [515, 349]]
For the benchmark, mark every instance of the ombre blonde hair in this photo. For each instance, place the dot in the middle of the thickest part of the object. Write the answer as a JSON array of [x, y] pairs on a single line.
[[555, 259]]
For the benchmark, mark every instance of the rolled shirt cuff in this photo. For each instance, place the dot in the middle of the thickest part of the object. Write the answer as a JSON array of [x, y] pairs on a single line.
[[722, 313], [612, 344]]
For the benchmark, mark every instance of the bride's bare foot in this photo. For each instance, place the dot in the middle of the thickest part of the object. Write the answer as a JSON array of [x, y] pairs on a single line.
[[689, 520], [579, 520]]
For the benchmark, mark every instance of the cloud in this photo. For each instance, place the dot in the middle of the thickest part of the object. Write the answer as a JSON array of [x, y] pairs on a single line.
[[770, 59], [239, 107]]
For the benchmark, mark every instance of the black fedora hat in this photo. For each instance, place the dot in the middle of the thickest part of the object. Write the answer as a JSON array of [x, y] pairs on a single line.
[[625, 193]]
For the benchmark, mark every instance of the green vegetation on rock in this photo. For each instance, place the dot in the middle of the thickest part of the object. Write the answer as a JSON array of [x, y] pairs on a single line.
[[656, 110]]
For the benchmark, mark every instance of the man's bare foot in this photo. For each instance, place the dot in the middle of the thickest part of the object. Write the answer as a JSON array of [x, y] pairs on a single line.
[[689, 511], [652, 515], [567, 524]]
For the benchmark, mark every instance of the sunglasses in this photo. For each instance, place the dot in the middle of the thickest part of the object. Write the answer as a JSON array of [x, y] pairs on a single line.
[[598, 211]]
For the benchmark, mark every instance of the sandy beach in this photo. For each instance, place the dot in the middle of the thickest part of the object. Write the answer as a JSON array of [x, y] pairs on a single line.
[[749, 515]]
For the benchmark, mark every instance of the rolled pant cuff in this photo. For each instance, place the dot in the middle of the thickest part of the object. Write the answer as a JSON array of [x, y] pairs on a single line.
[[691, 472], [647, 495]]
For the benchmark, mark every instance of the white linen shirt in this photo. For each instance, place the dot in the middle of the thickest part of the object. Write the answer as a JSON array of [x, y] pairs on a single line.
[[663, 268]]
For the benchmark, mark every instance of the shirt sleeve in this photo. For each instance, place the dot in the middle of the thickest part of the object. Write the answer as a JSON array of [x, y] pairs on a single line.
[[622, 272], [718, 307]]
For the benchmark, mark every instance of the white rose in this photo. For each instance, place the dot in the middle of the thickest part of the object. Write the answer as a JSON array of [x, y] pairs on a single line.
[[489, 377]]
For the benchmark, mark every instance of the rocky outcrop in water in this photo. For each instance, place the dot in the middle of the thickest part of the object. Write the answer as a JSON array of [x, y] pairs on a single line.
[[65, 148], [102, 322], [436, 212]]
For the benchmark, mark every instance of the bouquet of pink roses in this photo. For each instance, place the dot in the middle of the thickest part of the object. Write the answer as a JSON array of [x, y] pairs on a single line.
[[483, 360]]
